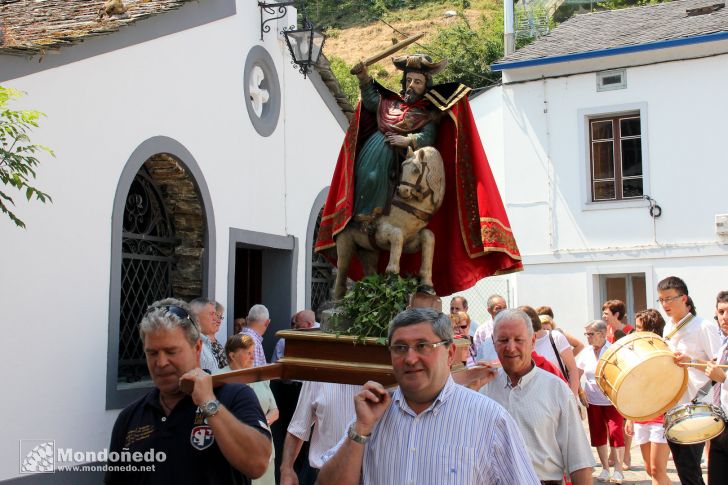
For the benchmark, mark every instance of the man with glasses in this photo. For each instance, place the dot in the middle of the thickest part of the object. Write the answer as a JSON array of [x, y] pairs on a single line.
[[215, 435], [692, 338], [429, 430], [202, 311], [541, 404]]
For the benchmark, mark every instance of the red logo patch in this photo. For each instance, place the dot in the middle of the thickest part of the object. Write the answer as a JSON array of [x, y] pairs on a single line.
[[201, 437]]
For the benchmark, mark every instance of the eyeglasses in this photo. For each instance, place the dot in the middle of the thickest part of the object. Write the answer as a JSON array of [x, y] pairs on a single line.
[[589, 334], [422, 348], [668, 299]]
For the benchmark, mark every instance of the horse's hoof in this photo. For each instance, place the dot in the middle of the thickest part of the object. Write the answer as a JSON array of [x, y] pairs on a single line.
[[426, 289]]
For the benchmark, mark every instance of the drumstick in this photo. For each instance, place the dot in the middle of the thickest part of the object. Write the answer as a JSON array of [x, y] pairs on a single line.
[[697, 364]]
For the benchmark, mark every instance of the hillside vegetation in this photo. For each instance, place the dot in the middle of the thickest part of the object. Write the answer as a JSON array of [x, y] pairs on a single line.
[[471, 39]]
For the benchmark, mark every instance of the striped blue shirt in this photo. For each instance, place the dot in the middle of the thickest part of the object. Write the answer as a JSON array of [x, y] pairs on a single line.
[[463, 438]]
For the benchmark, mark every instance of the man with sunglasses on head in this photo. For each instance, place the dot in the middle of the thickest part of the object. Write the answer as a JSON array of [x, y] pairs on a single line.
[[212, 436], [429, 430], [693, 339]]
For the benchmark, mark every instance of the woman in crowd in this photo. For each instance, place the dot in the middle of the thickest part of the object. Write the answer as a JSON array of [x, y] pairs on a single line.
[[461, 329], [604, 419], [614, 314], [548, 323], [650, 435], [557, 350], [239, 352]]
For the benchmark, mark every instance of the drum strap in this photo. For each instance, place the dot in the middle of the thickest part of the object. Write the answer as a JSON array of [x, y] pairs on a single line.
[[703, 391], [685, 321]]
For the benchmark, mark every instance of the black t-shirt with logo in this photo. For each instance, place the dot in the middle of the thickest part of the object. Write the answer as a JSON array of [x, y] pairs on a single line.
[[187, 441]]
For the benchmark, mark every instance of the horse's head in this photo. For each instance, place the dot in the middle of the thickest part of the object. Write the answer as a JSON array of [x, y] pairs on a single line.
[[422, 176]]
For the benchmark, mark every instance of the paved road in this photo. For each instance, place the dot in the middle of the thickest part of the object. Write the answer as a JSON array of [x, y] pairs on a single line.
[[637, 474]]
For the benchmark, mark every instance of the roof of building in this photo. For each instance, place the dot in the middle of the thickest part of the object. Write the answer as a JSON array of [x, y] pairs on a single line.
[[612, 29], [32, 26]]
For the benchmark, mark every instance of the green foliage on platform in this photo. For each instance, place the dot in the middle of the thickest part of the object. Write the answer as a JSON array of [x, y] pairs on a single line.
[[371, 304]]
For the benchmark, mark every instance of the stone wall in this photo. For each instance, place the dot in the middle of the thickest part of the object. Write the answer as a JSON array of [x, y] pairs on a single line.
[[184, 206]]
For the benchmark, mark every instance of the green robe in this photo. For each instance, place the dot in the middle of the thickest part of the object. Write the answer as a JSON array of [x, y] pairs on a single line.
[[375, 163]]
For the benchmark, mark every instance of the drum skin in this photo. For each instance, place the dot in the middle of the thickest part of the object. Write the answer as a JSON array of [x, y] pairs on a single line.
[[693, 423], [638, 374]]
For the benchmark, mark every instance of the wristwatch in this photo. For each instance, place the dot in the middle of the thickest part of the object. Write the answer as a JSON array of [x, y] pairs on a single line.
[[210, 408], [356, 437]]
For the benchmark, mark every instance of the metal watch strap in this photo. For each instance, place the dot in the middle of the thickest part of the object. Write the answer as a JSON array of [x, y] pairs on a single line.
[[356, 437], [216, 408]]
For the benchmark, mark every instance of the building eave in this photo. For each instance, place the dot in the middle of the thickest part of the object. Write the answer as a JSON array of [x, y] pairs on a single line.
[[614, 51]]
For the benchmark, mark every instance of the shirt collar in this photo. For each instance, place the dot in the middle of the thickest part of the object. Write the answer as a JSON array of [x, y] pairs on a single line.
[[252, 333], [524, 380], [441, 398]]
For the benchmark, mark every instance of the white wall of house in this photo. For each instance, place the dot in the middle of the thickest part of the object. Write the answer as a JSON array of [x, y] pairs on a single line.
[[55, 274], [566, 240]]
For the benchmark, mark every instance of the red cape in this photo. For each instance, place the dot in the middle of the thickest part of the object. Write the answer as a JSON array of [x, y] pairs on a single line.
[[473, 238]]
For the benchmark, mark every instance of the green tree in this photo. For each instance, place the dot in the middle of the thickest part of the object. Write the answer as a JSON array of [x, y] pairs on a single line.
[[348, 82], [18, 159], [469, 50]]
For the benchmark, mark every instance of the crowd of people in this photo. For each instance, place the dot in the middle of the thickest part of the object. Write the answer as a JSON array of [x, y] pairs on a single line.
[[519, 421]]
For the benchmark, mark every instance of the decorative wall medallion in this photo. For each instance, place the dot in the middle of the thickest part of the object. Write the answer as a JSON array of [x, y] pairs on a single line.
[[262, 91]]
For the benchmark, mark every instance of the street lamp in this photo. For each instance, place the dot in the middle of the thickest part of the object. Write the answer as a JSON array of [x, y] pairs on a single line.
[[305, 44]]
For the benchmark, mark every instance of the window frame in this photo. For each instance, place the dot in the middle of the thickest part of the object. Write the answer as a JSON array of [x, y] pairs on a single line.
[[585, 118]]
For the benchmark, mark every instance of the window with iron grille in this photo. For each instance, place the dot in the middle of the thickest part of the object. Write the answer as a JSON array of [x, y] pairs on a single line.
[[322, 274], [148, 258], [616, 157]]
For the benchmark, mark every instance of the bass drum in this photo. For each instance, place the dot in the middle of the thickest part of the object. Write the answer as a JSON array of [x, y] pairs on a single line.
[[639, 375], [694, 423]]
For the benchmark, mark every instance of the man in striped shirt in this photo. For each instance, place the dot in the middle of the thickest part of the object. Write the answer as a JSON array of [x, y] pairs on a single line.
[[256, 323], [430, 430], [541, 403]]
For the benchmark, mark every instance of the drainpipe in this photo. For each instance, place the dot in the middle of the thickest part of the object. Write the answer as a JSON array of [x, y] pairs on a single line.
[[509, 38]]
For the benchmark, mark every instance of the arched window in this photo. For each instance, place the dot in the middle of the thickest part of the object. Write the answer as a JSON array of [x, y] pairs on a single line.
[[162, 246], [320, 274]]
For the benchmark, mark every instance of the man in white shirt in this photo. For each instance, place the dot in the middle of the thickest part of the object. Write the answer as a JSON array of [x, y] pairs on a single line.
[[540, 403], [495, 304], [718, 456], [329, 408], [429, 430], [692, 338]]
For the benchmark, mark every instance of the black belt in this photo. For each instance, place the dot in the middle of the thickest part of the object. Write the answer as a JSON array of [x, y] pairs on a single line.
[[552, 482]]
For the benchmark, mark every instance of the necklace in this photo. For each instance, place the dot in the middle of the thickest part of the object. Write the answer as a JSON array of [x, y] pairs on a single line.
[[167, 409]]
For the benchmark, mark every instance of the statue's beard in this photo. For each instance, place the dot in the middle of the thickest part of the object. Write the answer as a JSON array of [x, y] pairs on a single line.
[[410, 96]]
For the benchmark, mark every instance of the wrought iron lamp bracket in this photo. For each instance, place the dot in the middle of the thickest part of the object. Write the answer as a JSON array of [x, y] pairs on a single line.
[[280, 9]]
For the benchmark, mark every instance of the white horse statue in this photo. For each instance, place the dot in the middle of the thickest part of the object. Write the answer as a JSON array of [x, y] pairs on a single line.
[[417, 197]]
